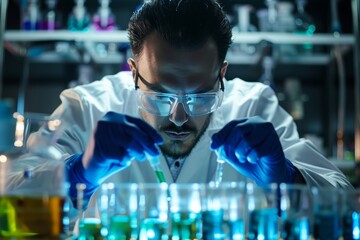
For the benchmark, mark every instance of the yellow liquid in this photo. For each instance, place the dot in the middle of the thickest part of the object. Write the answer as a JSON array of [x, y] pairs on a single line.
[[33, 217]]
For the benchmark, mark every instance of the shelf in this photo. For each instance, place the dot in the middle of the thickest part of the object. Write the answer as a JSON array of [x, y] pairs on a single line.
[[64, 35], [343, 164], [292, 38], [122, 36], [314, 59]]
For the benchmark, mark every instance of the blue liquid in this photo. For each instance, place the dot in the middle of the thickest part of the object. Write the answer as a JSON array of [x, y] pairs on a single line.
[[296, 229], [263, 224], [326, 226], [351, 226], [186, 226], [30, 26], [153, 229]]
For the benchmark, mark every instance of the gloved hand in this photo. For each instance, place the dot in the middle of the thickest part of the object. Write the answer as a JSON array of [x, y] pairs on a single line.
[[252, 147], [115, 142]]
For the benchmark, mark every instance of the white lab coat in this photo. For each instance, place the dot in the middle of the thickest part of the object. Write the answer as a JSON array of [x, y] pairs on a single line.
[[84, 105]]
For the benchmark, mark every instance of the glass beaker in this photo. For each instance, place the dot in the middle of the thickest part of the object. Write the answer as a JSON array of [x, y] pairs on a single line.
[[34, 203], [327, 207], [185, 211], [153, 211], [262, 211], [351, 214], [296, 211], [118, 204], [223, 211]]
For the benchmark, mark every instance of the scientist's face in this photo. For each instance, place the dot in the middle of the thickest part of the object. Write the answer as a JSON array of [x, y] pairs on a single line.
[[162, 68]]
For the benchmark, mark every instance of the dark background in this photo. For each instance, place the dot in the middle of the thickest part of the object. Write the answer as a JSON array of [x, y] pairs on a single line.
[[319, 82]]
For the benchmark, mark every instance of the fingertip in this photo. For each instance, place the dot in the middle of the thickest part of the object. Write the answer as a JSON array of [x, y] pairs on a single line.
[[241, 158], [214, 145]]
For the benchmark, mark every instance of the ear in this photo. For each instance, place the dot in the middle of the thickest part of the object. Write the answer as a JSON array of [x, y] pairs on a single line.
[[224, 68], [132, 66]]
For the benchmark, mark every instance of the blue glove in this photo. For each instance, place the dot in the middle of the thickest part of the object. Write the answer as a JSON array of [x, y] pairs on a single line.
[[252, 147], [116, 141]]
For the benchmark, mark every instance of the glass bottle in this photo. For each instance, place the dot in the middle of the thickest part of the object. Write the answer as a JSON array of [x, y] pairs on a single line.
[[50, 20], [104, 19], [304, 24], [32, 16], [79, 19], [33, 181]]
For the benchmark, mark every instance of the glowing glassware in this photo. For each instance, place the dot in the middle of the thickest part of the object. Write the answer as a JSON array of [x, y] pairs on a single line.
[[262, 212], [153, 211], [34, 205], [351, 215], [185, 211], [118, 210], [326, 208], [296, 211], [223, 208]]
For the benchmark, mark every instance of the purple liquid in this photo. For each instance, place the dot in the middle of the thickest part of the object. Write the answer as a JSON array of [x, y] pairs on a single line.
[[109, 26]]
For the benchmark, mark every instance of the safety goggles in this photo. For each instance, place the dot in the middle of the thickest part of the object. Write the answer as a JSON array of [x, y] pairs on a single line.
[[164, 104]]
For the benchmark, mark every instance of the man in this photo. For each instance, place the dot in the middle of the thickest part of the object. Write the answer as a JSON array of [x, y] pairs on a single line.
[[176, 105]]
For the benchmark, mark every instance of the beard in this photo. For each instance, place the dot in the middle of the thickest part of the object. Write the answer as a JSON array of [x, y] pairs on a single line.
[[176, 149]]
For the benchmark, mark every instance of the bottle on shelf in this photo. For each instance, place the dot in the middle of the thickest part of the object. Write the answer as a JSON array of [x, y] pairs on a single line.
[[51, 18], [79, 19], [304, 24], [285, 23], [104, 19], [31, 15]]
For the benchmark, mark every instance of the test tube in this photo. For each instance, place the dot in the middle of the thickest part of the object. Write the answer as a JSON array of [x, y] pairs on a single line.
[[219, 168], [155, 164]]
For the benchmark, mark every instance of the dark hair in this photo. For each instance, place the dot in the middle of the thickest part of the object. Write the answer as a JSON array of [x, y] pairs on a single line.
[[182, 23]]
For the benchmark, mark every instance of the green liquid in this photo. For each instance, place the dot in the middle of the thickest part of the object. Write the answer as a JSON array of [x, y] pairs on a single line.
[[122, 228], [186, 226], [160, 176], [32, 217], [90, 229], [153, 229]]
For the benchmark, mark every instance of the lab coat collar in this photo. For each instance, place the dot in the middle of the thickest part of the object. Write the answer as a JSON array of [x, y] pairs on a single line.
[[201, 157]]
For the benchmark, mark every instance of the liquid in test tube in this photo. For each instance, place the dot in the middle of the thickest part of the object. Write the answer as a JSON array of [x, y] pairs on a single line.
[[219, 169]]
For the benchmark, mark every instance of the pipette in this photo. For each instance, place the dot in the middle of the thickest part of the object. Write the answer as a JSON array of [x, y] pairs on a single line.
[[219, 169]]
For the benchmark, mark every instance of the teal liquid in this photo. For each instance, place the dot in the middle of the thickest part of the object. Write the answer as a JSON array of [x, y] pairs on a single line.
[[296, 229], [122, 228], [186, 226], [351, 225], [90, 229], [326, 225], [153, 229], [215, 227], [263, 224], [236, 229], [160, 176]]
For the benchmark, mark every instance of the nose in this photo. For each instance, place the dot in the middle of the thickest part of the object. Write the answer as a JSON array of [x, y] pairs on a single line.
[[178, 115]]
